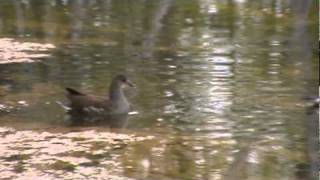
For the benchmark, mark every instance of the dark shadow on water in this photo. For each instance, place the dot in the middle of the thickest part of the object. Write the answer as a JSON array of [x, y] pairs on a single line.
[[104, 120]]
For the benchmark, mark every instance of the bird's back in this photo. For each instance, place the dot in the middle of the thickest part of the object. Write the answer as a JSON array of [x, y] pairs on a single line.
[[80, 100]]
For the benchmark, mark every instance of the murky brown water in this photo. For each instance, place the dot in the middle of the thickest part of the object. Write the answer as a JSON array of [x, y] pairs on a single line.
[[220, 89]]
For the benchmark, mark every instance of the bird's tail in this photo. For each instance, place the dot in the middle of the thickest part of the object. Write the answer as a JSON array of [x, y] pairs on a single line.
[[73, 92]]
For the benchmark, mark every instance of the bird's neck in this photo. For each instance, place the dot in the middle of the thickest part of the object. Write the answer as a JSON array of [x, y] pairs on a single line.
[[116, 92]]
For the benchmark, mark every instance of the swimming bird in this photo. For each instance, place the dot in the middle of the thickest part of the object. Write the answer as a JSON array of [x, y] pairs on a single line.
[[115, 103]]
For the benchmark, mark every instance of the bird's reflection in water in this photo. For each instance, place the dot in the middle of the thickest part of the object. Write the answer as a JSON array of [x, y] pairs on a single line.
[[116, 121]]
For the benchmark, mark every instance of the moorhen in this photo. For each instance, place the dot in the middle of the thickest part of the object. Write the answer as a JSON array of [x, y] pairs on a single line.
[[115, 103]]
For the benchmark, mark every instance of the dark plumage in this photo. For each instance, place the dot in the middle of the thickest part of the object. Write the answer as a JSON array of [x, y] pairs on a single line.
[[73, 92]]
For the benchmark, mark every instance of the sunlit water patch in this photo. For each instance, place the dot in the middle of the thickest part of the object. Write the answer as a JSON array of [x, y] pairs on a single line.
[[12, 51], [70, 155]]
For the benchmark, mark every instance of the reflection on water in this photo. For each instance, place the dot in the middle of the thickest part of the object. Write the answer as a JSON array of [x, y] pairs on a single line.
[[220, 84], [115, 121], [78, 154], [14, 52]]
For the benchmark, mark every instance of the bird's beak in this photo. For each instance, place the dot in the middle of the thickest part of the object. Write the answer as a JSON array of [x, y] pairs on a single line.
[[129, 83]]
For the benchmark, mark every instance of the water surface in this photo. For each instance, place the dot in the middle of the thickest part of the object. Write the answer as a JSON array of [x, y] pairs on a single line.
[[220, 86]]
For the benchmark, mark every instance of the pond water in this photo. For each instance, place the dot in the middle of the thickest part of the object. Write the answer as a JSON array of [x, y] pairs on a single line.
[[221, 88]]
